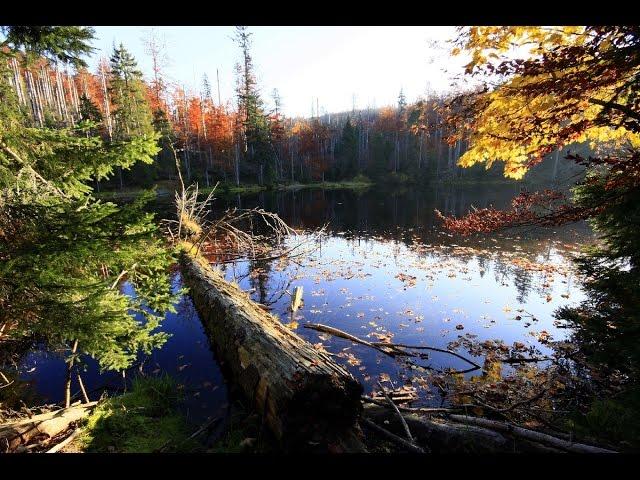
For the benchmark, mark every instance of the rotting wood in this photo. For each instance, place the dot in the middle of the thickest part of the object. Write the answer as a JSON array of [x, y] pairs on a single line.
[[425, 410], [531, 435], [50, 424], [303, 394], [65, 442], [442, 436]]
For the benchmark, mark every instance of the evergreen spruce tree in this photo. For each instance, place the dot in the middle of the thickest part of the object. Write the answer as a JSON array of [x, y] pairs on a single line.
[[89, 111], [132, 113], [206, 88], [347, 152], [63, 253], [131, 110], [259, 150]]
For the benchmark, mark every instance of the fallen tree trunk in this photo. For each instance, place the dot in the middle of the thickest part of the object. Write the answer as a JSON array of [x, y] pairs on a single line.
[[445, 436], [48, 425], [463, 433], [532, 435], [304, 396], [441, 436]]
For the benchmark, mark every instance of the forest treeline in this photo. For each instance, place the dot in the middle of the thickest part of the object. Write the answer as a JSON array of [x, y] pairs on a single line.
[[244, 141]]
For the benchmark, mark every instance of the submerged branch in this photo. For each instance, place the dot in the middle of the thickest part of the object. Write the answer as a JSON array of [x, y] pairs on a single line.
[[395, 408], [412, 447], [390, 349]]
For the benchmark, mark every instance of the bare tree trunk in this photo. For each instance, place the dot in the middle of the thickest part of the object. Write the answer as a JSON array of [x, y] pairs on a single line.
[[67, 389], [84, 391], [555, 164], [107, 111], [420, 151], [237, 164]]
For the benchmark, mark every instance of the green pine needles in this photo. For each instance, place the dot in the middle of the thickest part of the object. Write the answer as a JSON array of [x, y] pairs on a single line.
[[63, 253]]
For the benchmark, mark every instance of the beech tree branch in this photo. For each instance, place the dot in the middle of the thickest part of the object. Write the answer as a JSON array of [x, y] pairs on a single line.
[[616, 106]]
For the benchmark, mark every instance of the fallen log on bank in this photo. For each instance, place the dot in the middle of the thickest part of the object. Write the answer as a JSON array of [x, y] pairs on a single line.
[[475, 434], [304, 396], [46, 425], [532, 435], [444, 436]]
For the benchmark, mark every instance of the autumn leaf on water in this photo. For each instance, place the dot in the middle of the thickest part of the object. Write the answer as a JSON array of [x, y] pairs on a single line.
[[353, 360], [408, 280], [544, 336], [383, 337], [319, 346]]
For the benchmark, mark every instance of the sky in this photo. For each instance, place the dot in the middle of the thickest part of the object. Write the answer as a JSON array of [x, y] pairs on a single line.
[[333, 67]]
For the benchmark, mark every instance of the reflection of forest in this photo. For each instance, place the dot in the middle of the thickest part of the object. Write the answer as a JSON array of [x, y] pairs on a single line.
[[397, 213], [407, 217]]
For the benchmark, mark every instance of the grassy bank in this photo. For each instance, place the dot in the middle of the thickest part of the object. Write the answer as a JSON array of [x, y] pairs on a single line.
[[345, 185], [230, 189], [142, 420], [164, 189]]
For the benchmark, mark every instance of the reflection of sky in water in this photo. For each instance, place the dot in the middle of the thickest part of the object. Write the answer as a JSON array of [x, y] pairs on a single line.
[[352, 285], [350, 281]]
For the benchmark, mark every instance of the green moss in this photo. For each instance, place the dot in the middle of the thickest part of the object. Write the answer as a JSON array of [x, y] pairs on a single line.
[[359, 182], [226, 188], [140, 421]]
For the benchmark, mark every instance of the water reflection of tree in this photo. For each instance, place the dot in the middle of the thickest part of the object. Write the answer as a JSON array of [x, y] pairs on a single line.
[[259, 278], [522, 280], [406, 218]]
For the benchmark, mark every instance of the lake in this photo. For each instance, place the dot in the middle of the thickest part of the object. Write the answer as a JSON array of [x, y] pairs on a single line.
[[381, 270]]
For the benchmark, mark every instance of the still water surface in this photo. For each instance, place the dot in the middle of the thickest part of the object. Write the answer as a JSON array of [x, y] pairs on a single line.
[[382, 270]]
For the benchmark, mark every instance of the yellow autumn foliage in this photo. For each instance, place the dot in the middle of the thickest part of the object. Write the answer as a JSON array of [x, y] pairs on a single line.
[[509, 115]]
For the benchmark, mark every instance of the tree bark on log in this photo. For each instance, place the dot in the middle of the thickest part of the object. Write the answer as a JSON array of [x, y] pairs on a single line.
[[50, 424], [305, 397]]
